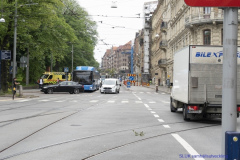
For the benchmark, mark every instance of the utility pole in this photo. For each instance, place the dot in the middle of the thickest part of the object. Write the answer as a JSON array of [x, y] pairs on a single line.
[[229, 81], [72, 58], [15, 41], [132, 59], [27, 68]]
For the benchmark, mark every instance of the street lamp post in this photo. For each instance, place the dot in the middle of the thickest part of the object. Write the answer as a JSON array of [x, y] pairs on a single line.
[[72, 57], [15, 41]]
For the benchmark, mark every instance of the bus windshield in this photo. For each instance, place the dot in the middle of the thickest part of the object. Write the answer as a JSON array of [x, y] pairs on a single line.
[[83, 77]]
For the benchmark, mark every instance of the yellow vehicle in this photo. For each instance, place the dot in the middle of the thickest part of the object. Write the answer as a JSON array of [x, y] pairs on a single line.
[[52, 77]]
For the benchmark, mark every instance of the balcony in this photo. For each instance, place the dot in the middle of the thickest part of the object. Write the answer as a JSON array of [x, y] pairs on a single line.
[[162, 63], [163, 44], [202, 18], [163, 26]]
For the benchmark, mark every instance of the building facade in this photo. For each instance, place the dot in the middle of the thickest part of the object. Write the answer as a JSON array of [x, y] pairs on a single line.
[[177, 26], [116, 61]]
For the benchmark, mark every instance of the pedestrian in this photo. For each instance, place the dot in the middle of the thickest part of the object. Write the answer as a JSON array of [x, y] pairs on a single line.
[[15, 83], [156, 84], [40, 83], [58, 81]]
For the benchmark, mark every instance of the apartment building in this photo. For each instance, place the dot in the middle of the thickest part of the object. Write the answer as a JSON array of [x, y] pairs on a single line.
[[178, 25], [124, 58], [117, 59], [138, 55]]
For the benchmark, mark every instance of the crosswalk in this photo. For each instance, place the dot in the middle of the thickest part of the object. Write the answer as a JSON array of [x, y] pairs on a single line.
[[123, 101]]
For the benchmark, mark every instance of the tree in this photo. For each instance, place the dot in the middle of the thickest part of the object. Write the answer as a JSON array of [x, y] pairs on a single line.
[[45, 28]]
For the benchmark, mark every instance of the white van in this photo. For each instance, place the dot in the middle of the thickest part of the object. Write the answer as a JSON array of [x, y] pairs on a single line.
[[110, 85]]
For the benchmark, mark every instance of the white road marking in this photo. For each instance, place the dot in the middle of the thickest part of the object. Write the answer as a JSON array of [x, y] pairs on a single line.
[[110, 101], [165, 102], [146, 105], [44, 100], [24, 100], [141, 92], [59, 101], [93, 101], [163, 93], [74, 101], [149, 109], [153, 112], [138, 101], [166, 126], [152, 102], [155, 115], [125, 102], [186, 146], [137, 97], [160, 120], [148, 93]]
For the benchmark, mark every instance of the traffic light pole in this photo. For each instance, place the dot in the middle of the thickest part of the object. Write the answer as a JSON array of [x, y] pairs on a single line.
[[229, 80]]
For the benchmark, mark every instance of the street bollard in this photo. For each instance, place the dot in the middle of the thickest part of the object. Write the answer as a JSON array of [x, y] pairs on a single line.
[[20, 91], [156, 88]]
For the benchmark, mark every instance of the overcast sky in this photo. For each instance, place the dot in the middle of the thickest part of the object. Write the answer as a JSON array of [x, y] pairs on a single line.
[[112, 29]]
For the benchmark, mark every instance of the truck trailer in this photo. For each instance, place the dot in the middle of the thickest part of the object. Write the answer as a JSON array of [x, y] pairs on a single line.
[[197, 82]]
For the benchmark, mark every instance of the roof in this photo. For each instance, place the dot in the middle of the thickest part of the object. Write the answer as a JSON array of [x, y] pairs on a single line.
[[126, 46]]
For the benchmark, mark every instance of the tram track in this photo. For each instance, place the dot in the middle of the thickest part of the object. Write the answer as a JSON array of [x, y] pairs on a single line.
[[93, 106], [110, 133]]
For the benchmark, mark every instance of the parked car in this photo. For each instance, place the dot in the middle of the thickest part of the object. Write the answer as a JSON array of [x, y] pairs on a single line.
[[110, 85], [66, 86]]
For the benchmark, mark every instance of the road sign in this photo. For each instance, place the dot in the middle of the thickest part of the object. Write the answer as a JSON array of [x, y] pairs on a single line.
[[11, 69], [66, 69], [23, 61], [213, 3], [6, 55], [129, 83], [131, 78]]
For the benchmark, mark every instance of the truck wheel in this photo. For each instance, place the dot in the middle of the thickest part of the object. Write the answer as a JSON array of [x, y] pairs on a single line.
[[76, 91], [50, 91], [185, 113], [173, 109]]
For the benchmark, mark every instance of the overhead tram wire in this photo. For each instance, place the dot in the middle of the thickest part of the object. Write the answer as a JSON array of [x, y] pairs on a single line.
[[106, 16]]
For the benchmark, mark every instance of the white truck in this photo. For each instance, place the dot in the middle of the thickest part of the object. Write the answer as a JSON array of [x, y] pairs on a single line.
[[197, 82]]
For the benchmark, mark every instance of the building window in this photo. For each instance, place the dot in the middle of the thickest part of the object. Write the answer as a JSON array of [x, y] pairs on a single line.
[[207, 37], [207, 10], [222, 36]]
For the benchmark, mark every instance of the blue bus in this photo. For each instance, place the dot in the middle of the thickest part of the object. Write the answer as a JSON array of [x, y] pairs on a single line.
[[87, 76]]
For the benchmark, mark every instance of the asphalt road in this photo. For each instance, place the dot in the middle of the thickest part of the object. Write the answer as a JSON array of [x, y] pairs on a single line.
[[134, 125]]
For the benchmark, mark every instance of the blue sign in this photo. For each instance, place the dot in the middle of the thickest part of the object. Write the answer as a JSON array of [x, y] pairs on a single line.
[[5, 55], [66, 69], [131, 78], [128, 84]]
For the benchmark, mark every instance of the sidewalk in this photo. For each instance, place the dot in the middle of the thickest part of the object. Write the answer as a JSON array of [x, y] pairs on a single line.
[[160, 88], [27, 93]]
